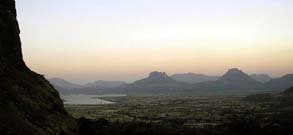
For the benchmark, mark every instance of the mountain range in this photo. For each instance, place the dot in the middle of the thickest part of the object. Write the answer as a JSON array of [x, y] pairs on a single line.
[[98, 87], [155, 83], [105, 84], [193, 78], [61, 83], [280, 83], [261, 77], [233, 81]]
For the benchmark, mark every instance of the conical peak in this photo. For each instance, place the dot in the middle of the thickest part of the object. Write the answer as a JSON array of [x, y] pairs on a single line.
[[234, 74]]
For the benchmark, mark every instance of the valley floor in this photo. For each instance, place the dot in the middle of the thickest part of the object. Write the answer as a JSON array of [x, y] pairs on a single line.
[[190, 111]]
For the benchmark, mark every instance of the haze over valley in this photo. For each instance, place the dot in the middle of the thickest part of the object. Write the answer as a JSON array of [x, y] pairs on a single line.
[[146, 67], [234, 81]]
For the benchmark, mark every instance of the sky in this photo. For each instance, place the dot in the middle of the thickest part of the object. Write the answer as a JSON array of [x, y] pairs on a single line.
[[87, 40]]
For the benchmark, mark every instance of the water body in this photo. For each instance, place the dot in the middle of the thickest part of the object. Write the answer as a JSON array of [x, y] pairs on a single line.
[[88, 99]]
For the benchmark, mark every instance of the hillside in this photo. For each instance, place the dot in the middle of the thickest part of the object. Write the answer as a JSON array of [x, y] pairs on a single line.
[[284, 96], [193, 78], [98, 87], [29, 105], [289, 91], [58, 82], [261, 77], [155, 83], [233, 80], [281, 83], [105, 84]]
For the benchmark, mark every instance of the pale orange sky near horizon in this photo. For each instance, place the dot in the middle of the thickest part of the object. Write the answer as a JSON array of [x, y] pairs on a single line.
[[89, 40]]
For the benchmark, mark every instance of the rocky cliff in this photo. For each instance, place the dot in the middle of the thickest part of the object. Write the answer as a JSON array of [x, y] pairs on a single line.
[[29, 105]]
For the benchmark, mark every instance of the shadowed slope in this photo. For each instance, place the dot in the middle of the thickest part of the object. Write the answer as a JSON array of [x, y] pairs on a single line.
[[155, 83], [29, 105], [233, 80]]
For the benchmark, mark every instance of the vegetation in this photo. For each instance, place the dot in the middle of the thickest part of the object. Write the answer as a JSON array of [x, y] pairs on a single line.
[[179, 115]]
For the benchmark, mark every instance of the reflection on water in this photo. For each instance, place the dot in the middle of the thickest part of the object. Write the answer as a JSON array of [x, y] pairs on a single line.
[[87, 99]]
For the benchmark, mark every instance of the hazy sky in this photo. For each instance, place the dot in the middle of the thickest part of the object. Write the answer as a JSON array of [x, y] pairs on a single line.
[[85, 40]]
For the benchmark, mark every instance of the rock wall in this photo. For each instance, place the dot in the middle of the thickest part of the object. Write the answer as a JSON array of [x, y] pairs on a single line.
[[29, 105]]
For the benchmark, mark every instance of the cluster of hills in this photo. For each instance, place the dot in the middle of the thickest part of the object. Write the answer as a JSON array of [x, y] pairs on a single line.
[[98, 87], [29, 105], [233, 81]]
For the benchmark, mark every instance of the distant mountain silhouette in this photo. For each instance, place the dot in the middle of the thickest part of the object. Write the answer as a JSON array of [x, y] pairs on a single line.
[[155, 78], [236, 75], [233, 80], [61, 83], [261, 77], [62, 86], [193, 78], [156, 82], [280, 83], [99, 87], [105, 84]]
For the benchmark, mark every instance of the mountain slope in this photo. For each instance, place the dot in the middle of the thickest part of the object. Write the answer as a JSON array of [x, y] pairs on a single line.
[[63, 83], [233, 80], [280, 83], [105, 84], [155, 83], [193, 78], [99, 87], [64, 87], [289, 91], [284, 96], [261, 77], [29, 105]]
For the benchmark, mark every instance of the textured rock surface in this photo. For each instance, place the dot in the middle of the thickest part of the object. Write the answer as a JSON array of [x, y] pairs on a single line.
[[29, 105]]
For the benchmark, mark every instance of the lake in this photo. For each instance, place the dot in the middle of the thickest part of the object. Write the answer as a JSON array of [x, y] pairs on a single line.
[[88, 99]]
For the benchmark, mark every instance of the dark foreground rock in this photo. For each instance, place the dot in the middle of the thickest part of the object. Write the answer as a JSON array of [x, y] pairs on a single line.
[[29, 105]]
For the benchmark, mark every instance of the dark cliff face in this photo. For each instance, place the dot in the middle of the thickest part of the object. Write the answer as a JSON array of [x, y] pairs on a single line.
[[10, 48], [29, 105]]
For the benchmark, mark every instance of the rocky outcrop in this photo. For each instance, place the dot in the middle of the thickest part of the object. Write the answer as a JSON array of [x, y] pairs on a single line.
[[158, 75], [29, 105]]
